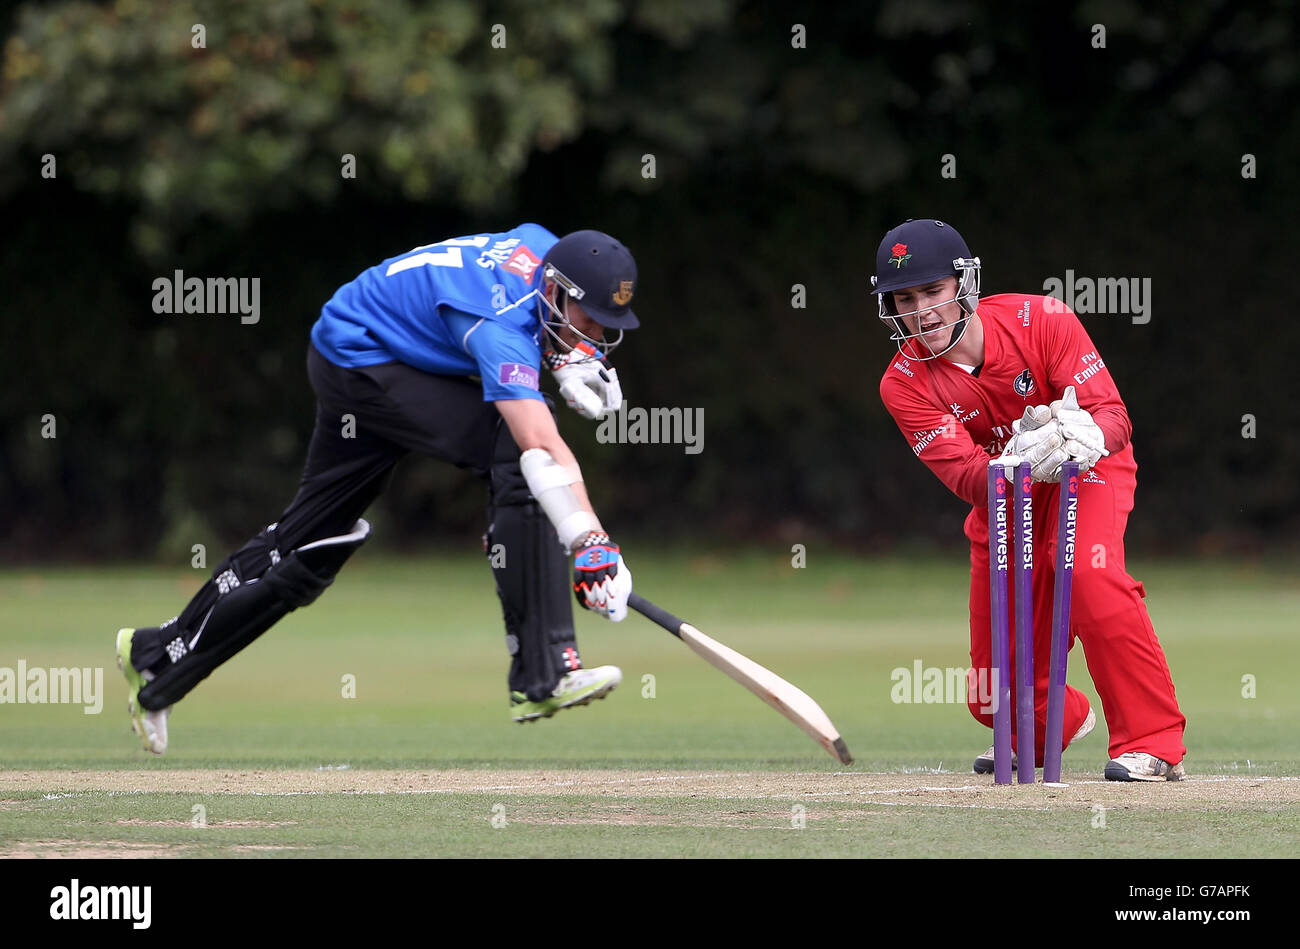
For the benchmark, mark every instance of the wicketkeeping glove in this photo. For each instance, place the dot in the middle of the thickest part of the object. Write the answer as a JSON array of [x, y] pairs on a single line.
[[588, 384], [1038, 440], [1084, 440], [601, 581]]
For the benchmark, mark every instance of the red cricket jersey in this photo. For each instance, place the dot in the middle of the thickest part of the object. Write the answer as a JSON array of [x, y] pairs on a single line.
[[954, 421]]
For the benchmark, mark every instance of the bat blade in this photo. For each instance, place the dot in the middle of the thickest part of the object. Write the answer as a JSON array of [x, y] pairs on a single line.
[[788, 699]]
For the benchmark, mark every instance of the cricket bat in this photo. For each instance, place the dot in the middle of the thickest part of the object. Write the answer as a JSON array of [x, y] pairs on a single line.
[[792, 702]]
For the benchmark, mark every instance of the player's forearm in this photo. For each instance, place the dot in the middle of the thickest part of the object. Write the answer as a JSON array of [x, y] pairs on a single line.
[[965, 475], [1115, 425], [563, 456], [940, 444], [566, 503], [1076, 361], [972, 486]]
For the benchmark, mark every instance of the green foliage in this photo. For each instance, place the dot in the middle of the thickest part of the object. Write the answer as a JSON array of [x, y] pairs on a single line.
[[775, 165], [448, 98]]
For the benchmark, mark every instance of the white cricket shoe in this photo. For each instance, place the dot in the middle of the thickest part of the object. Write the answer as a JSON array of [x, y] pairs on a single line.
[[151, 726], [1139, 766], [984, 763], [580, 687]]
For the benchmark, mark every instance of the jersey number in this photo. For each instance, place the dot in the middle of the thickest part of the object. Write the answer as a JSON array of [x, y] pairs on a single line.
[[437, 258]]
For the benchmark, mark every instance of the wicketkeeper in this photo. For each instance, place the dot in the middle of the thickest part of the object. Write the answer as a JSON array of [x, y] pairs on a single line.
[[438, 351], [1017, 371]]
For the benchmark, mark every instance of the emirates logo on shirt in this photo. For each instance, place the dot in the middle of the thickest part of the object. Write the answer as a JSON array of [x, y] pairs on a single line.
[[1024, 384]]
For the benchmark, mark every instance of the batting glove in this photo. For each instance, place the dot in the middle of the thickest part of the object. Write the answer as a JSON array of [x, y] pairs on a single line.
[[1038, 440], [1084, 440], [601, 580], [587, 383]]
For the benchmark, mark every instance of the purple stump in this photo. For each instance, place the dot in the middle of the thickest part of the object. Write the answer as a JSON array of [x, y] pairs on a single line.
[[999, 621], [1066, 530], [1024, 539]]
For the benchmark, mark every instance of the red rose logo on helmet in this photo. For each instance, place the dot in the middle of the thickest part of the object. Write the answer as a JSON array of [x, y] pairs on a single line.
[[901, 256]]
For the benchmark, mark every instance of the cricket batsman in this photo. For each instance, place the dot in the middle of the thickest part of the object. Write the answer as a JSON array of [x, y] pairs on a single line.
[[1017, 372], [437, 351]]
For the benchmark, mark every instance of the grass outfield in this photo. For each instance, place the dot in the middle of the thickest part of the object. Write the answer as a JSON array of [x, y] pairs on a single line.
[[424, 757]]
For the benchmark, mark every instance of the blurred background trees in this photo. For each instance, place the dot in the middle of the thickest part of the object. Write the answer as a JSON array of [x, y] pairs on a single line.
[[784, 143]]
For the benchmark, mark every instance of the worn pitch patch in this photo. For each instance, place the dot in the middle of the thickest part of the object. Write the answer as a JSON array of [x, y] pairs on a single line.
[[207, 825], [89, 850], [892, 789]]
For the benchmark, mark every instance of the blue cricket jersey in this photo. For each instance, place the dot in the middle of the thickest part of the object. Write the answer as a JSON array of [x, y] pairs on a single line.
[[446, 308]]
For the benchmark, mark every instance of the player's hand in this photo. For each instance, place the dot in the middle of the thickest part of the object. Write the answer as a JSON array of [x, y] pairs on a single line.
[[1038, 440], [1084, 441], [588, 384], [601, 581]]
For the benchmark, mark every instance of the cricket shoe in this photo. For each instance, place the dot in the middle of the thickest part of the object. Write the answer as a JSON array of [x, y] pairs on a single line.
[[579, 687], [984, 763], [149, 725], [1138, 766]]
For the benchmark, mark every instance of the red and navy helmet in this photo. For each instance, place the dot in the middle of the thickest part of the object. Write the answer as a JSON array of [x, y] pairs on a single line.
[[918, 252]]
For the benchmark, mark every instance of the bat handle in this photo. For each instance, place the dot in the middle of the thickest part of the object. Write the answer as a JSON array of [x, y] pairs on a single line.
[[655, 614]]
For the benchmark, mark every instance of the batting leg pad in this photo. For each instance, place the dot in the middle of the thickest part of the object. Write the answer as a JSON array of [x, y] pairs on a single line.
[[248, 593], [533, 580]]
